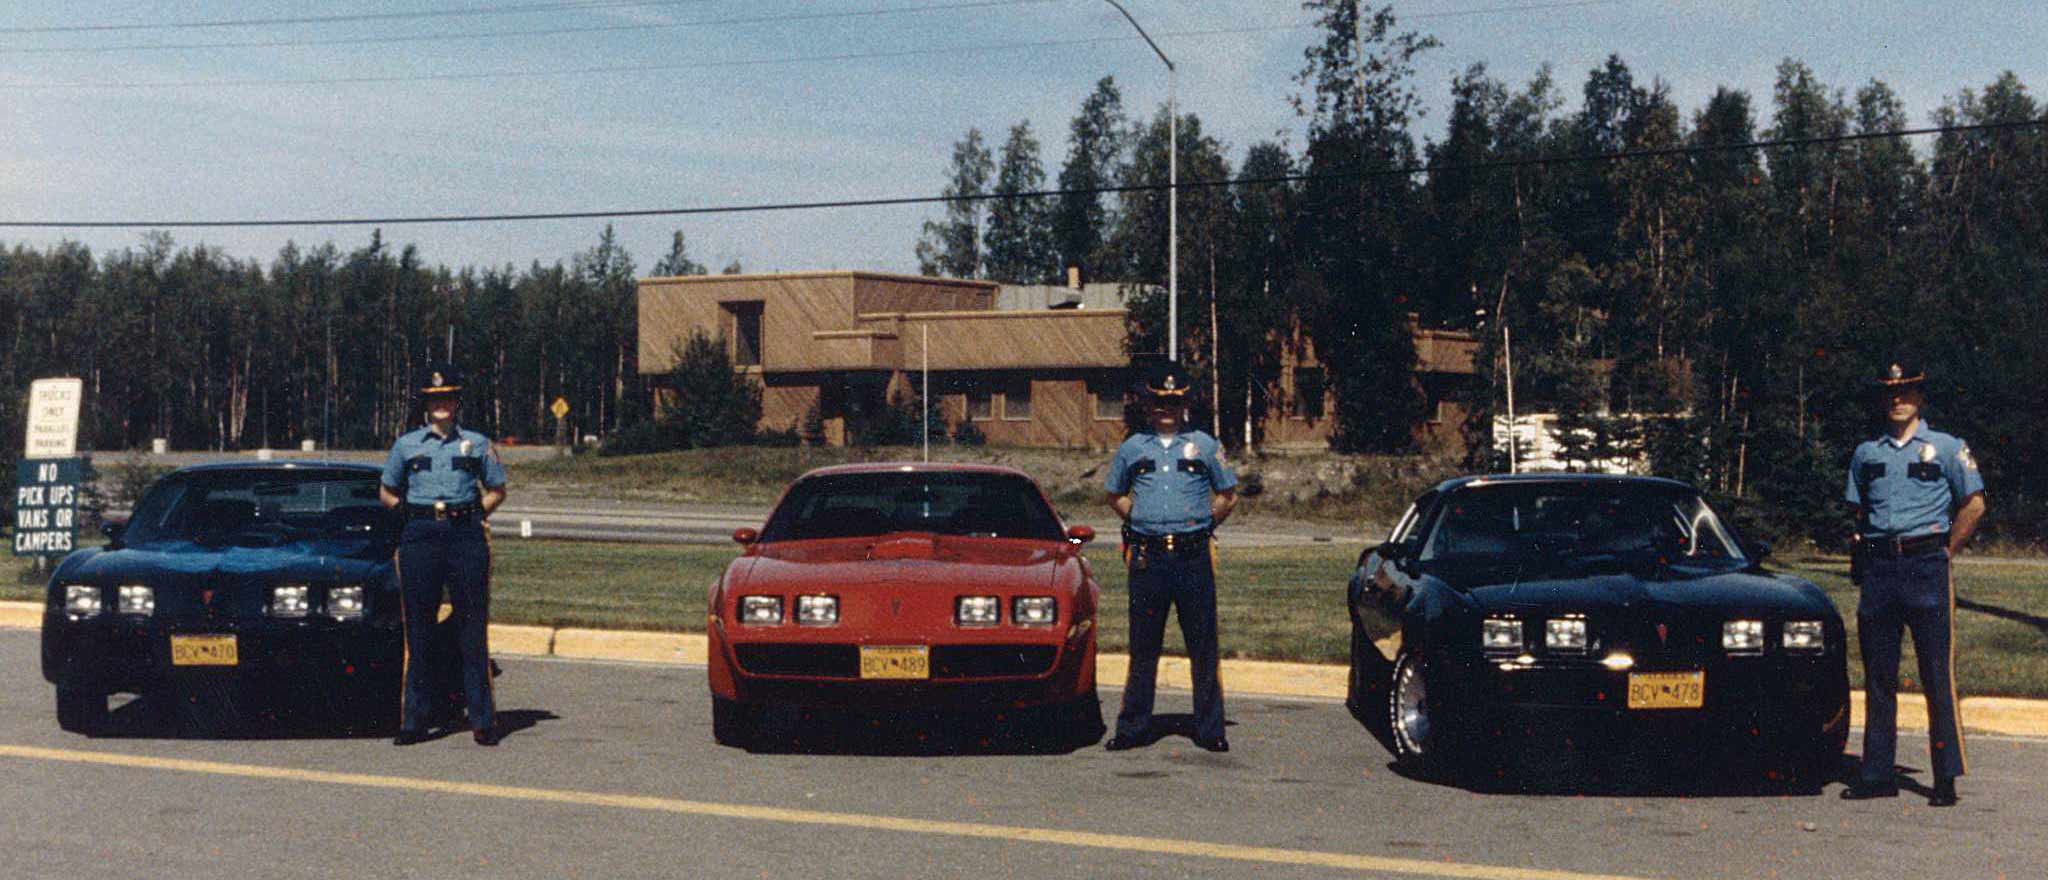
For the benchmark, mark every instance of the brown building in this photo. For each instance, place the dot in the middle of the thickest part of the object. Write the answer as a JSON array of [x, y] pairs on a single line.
[[846, 342]]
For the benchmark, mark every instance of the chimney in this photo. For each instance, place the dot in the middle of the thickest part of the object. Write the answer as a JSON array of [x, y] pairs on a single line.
[[1074, 276]]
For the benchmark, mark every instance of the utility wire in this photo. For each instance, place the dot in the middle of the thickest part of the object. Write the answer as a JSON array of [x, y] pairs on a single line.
[[1400, 171], [469, 12], [532, 32], [606, 70]]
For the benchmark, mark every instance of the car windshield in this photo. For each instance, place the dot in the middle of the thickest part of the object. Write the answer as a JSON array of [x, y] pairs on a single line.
[[259, 508], [1578, 522], [862, 505]]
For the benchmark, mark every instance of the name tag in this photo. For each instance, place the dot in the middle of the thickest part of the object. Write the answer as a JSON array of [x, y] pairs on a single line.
[[472, 465], [1925, 471], [1194, 466], [418, 464], [1871, 472]]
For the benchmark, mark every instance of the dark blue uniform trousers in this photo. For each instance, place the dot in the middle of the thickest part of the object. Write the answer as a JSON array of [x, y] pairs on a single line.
[[455, 554], [1185, 582], [1913, 593]]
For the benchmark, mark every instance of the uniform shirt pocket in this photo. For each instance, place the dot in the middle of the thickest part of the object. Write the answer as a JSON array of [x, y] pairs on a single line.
[[419, 464], [470, 464], [1925, 471]]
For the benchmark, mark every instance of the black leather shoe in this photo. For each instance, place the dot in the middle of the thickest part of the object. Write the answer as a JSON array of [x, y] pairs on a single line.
[[1864, 791], [409, 738], [1944, 793], [1218, 744], [1121, 742], [488, 736]]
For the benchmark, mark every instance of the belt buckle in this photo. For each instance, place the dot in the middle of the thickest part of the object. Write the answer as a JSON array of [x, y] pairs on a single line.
[[440, 510], [1898, 546]]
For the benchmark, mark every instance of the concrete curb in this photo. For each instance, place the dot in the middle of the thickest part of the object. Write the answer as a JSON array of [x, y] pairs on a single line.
[[2008, 716]]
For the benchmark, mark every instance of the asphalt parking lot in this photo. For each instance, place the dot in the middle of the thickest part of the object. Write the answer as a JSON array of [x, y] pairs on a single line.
[[613, 774]]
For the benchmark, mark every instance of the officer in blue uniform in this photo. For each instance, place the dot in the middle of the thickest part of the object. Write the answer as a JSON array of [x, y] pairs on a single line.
[[1918, 497], [1172, 488], [447, 480]]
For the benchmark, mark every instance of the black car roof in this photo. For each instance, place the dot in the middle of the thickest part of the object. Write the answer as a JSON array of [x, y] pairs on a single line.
[[277, 466], [1567, 478]]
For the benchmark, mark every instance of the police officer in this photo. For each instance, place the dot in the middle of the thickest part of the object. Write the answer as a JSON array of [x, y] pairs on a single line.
[[1171, 488], [447, 480], [1918, 497]]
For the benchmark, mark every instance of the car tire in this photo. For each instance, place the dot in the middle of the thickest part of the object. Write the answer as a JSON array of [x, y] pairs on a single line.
[[734, 723], [1079, 723], [81, 711], [1360, 695], [1417, 725]]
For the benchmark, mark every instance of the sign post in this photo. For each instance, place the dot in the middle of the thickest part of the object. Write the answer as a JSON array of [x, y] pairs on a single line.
[[48, 476], [561, 412]]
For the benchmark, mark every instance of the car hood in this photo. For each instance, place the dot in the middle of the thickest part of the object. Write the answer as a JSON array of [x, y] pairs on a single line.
[[180, 561], [901, 561], [1675, 588]]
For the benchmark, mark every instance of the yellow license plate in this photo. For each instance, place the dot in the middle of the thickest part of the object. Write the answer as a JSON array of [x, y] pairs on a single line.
[[880, 661], [1667, 690], [203, 651]]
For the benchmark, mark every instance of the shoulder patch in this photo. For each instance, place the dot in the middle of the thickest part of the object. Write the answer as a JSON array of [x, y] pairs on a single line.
[[1964, 458]]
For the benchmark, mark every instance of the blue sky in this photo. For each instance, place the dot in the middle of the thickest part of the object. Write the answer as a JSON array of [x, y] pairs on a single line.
[[779, 131]]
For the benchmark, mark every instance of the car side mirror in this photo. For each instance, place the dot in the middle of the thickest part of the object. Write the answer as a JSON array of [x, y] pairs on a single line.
[[744, 536], [112, 529], [1080, 534]]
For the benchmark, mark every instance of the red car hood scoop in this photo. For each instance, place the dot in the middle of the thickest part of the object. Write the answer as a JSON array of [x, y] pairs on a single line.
[[918, 547]]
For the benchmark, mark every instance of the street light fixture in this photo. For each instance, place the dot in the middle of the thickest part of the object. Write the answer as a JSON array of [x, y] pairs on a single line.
[[1172, 188]]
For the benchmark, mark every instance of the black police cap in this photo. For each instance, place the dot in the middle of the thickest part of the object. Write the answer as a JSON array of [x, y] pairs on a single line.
[[1900, 371], [1167, 381], [441, 378]]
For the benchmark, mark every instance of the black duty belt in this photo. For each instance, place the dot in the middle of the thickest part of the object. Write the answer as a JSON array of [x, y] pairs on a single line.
[[444, 510], [1196, 541], [1899, 548]]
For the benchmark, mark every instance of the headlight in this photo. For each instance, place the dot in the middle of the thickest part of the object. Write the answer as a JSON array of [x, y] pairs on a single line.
[[1034, 610], [977, 610], [290, 601], [1501, 634], [81, 600], [1804, 635], [1565, 635], [137, 599], [760, 610], [345, 603], [817, 610], [1742, 636]]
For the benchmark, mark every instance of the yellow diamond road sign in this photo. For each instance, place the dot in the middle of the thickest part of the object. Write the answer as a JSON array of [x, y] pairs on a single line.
[[560, 409]]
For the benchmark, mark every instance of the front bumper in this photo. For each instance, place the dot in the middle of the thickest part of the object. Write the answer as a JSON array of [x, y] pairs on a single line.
[[1775, 697], [984, 674], [112, 654]]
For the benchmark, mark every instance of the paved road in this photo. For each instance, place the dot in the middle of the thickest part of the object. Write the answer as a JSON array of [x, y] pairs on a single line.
[[614, 775]]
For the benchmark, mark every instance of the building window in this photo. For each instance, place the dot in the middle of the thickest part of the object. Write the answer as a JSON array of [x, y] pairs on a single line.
[[1309, 388], [743, 327], [1017, 400], [981, 405], [1108, 392]]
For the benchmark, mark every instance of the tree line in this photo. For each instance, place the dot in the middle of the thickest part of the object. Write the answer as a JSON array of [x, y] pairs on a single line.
[[208, 351], [1715, 308]]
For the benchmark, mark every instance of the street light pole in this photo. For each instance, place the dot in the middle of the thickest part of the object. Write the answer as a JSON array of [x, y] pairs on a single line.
[[1172, 187]]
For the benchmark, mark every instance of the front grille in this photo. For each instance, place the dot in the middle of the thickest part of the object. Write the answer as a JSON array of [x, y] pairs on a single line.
[[817, 661], [1685, 641], [990, 661]]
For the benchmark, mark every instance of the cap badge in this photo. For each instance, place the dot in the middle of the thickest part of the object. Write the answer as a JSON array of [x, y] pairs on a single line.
[[1897, 372], [438, 382]]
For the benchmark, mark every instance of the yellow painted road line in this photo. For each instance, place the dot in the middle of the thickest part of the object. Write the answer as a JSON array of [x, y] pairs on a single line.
[[1014, 834]]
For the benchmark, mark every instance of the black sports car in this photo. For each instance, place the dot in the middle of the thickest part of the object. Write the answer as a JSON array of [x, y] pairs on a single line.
[[1569, 611], [235, 591]]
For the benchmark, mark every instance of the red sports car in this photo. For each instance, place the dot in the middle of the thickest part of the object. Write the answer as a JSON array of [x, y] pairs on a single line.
[[907, 586]]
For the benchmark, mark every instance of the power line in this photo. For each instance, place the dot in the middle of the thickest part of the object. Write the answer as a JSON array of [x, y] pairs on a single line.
[[469, 12], [531, 32], [1402, 171], [606, 70]]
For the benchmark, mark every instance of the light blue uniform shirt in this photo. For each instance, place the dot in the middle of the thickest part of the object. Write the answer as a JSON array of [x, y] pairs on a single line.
[[426, 467], [1169, 480], [1912, 489]]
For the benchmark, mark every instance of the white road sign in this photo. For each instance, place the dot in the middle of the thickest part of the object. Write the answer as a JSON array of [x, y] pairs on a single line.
[[53, 406]]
